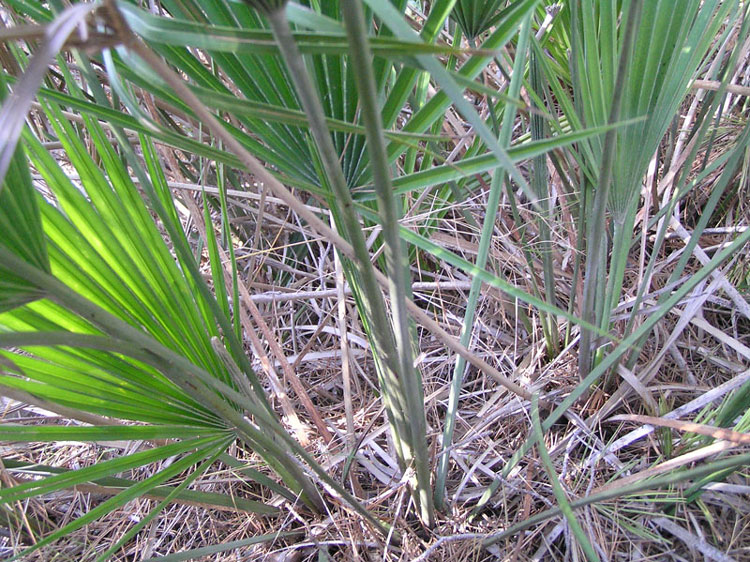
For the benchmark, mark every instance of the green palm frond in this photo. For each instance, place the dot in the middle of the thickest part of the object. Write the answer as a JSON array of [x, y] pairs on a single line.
[[475, 16]]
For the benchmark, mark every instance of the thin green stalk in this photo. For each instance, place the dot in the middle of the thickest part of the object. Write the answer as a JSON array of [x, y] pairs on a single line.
[[595, 238], [539, 184], [417, 101], [227, 240], [562, 500], [493, 202], [648, 484], [395, 257], [620, 251], [374, 303]]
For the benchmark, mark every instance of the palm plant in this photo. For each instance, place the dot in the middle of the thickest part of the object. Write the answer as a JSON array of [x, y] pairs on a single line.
[[651, 78], [113, 312], [108, 321], [353, 171], [596, 74]]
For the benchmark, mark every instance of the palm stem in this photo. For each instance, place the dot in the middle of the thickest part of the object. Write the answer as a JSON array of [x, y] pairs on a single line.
[[374, 304], [595, 239], [397, 267]]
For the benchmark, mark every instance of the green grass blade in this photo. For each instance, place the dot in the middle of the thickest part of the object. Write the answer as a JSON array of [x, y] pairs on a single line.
[[472, 165], [100, 470], [21, 433], [198, 471], [562, 500], [191, 496], [127, 495], [493, 201], [631, 489], [173, 31], [196, 553]]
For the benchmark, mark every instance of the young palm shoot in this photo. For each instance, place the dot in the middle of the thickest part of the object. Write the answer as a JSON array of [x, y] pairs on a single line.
[[595, 237], [668, 48], [397, 267]]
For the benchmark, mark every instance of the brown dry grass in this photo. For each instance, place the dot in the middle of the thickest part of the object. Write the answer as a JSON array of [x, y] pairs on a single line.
[[492, 424]]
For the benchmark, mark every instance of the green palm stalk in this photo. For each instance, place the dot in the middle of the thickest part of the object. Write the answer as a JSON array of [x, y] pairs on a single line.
[[392, 352]]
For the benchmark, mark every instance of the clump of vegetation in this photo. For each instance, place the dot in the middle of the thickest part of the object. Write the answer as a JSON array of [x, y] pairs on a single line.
[[363, 279]]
